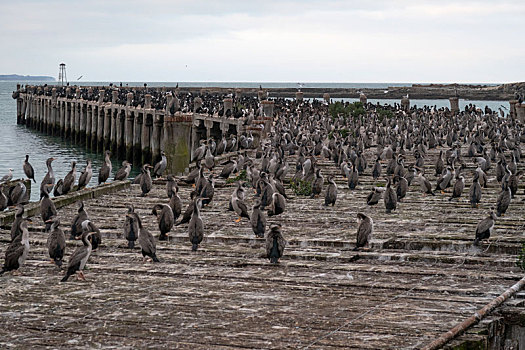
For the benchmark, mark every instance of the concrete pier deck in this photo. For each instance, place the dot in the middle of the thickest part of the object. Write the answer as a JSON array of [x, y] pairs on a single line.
[[421, 276]]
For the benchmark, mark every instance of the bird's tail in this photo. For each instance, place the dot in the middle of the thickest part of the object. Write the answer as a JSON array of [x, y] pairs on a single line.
[[58, 262], [155, 259], [65, 277], [34, 180], [194, 247], [131, 244], [498, 213], [273, 260], [476, 242], [432, 193]]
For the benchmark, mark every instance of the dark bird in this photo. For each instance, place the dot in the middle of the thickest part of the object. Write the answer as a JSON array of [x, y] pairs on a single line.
[[485, 227], [17, 251], [375, 195], [317, 185], [123, 173], [96, 238], [475, 191], [208, 191], [190, 179], [389, 197], [79, 258], [331, 192], [165, 219], [69, 180], [425, 185], [18, 194], [85, 176], [3, 199], [402, 187], [146, 183], [47, 208], [76, 226], [146, 239], [196, 227], [238, 204], [28, 169], [277, 205], [459, 186], [229, 167], [50, 176], [105, 169], [56, 243], [258, 220], [189, 210], [175, 201], [131, 227], [161, 165], [503, 201], [275, 244], [58, 190], [365, 228]]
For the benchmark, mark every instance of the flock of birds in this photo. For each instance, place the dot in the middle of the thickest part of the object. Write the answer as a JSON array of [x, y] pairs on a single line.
[[302, 134]]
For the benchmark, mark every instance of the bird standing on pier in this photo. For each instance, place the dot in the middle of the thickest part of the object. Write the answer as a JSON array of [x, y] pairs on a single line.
[[475, 191], [317, 185], [485, 227], [238, 204], [96, 238], [17, 251], [69, 180], [56, 243], [195, 226], [105, 169], [146, 183], [123, 173], [49, 178], [375, 195], [275, 244], [85, 176], [76, 226], [229, 167], [146, 240], [331, 192], [389, 197], [79, 258], [48, 210], [28, 169], [131, 227], [165, 219], [365, 229], [503, 201], [17, 194], [258, 220], [459, 186], [161, 165], [173, 194]]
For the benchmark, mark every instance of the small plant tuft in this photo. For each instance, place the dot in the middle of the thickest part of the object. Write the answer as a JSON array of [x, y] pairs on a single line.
[[243, 176], [301, 187]]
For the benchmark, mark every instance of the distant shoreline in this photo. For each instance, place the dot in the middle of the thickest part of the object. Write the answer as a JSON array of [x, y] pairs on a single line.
[[16, 77]]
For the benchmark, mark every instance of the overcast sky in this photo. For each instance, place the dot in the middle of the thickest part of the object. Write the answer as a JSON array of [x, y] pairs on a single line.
[[266, 41]]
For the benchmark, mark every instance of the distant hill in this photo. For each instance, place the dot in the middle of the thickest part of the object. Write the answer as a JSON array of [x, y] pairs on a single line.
[[16, 77]]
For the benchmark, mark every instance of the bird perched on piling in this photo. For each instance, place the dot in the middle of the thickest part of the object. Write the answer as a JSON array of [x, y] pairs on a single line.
[[195, 226], [76, 226], [18, 194], [79, 258], [85, 176], [105, 169], [28, 169], [485, 227], [258, 220], [389, 197], [146, 183], [275, 244], [7, 177], [49, 178], [365, 229], [17, 251], [56, 243], [331, 192], [161, 165], [123, 173], [131, 227], [3, 199], [165, 219]]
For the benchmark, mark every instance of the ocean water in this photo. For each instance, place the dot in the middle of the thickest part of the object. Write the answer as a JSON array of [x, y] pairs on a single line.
[[16, 140]]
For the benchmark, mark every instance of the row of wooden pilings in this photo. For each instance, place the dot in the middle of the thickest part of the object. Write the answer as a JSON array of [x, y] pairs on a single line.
[[137, 134]]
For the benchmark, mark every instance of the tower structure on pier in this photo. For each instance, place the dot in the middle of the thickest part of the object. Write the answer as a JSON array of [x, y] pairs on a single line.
[[62, 77]]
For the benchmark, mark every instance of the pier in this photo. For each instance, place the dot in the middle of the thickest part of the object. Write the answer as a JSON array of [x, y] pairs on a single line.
[[420, 278]]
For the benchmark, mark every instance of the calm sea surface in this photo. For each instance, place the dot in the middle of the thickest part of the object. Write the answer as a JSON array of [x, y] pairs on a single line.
[[16, 140]]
